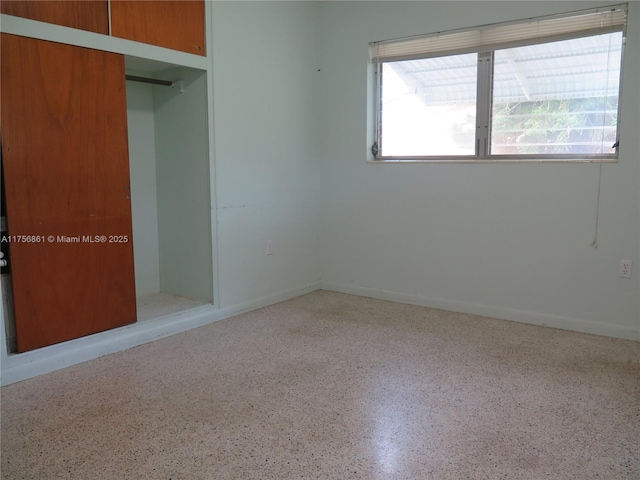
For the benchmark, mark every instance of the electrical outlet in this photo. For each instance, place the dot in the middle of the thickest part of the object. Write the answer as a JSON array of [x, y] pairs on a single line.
[[625, 268], [269, 249]]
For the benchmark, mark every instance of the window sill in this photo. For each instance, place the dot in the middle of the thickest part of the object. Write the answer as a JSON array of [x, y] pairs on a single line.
[[492, 160]]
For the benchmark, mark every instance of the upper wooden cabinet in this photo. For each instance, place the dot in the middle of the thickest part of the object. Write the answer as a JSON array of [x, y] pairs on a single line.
[[175, 24], [92, 16], [178, 25]]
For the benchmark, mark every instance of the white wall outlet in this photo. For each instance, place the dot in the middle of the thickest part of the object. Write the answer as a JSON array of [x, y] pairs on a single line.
[[269, 248], [625, 268]]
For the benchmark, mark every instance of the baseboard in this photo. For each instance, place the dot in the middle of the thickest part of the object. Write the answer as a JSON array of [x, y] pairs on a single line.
[[522, 316], [18, 367], [268, 300]]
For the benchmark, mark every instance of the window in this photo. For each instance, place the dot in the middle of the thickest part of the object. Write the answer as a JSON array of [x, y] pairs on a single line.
[[541, 89]]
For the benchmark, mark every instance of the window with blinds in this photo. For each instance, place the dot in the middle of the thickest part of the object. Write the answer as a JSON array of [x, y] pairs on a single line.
[[543, 89]]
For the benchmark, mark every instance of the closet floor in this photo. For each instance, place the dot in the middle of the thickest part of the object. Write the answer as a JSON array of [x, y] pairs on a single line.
[[162, 304]]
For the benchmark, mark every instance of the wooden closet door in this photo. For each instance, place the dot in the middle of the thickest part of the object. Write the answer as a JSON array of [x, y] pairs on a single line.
[[86, 15], [175, 24], [65, 156]]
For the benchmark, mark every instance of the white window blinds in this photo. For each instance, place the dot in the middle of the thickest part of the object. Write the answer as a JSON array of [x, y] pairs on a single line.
[[503, 35]]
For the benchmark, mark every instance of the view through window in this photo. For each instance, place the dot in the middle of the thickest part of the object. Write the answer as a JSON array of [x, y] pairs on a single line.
[[549, 98]]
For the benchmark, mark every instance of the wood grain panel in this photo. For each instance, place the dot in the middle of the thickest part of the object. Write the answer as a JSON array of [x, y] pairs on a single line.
[[85, 15], [178, 25], [65, 157]]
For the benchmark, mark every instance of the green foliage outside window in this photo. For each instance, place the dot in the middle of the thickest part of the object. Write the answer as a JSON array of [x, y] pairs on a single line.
[[569, 126]]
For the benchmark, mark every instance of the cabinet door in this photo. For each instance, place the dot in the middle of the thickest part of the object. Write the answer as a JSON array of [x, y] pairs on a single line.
[[92, 16], [65, 158], [178, 25]]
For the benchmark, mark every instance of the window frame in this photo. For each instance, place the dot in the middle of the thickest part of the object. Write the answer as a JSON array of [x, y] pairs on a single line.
[[484, 101]]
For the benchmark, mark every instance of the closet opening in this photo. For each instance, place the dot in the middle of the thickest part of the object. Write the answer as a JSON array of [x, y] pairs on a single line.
[[170, 188]]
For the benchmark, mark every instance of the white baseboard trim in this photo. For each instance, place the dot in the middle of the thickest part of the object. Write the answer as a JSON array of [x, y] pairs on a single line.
[[18, 367], [522, 316], [268, 300]]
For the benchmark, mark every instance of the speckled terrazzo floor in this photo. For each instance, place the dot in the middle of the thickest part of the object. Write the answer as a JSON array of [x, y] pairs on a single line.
[[334, 386]]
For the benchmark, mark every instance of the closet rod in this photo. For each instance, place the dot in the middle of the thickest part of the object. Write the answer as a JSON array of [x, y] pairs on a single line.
[[154, 81]]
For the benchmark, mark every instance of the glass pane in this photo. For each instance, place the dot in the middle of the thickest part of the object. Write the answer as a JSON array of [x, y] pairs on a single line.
[[557, 98], [429, 106]]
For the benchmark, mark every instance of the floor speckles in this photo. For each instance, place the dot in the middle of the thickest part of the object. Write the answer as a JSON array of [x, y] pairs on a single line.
[[334, 386]]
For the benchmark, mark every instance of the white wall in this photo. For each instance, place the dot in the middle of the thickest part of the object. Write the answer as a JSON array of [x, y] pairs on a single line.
[[182, 174], [267, 170], [142, 170], [510, 241]]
